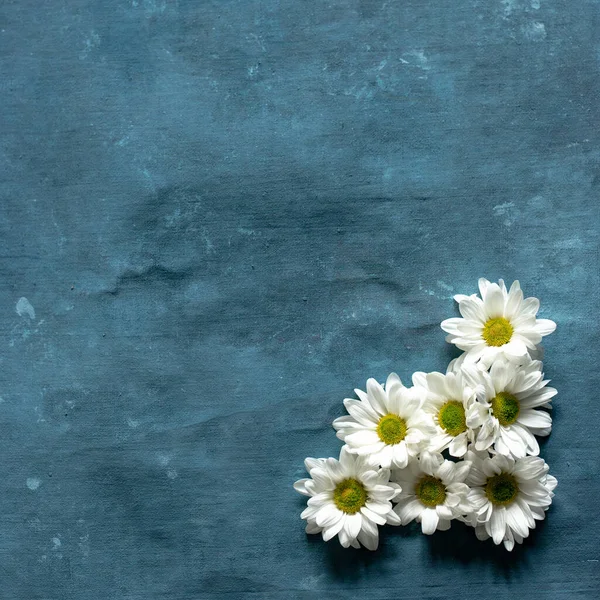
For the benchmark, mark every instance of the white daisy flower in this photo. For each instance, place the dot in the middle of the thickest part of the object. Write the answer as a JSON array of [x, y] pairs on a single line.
[[500, 323], [387, 424], [348, 498], [507, 409], [448, 400], [433, 492], [508, 495]]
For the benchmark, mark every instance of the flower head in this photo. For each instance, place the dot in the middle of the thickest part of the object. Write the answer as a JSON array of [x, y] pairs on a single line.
[[433, 492], [507, 412], [500, 323], [348, 498], [508, 495], [387, 424], [448, 400]]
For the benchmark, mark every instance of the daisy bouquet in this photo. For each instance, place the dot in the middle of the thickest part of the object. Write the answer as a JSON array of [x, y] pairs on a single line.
[[460, 445]]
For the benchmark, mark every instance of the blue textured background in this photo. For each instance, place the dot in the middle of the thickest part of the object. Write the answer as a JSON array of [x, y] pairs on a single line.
[[225, 216]]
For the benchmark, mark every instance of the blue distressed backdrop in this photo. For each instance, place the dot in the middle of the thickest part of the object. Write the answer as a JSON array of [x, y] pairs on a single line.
[[218, 218]]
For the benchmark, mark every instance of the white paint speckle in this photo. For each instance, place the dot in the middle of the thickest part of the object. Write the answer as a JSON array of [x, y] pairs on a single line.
[[509, 6], [172, 473], [133, 423], [57, 543], [534, 31], [210, 248], [245, 231], [163, 459], [445, 286], [90, 43], [535, 4], [444, 295], [33, 483], [508, 211], [419, 59], [24, 307]]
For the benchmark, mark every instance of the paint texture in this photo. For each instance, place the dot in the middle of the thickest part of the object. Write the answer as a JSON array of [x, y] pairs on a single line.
[[217, 219]]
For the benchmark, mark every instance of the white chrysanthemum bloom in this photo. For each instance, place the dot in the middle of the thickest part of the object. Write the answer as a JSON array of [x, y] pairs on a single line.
[[500, 323], [508, 495], [507, 409], [449, 398], [348, 498], [387, 424], [434, 492]]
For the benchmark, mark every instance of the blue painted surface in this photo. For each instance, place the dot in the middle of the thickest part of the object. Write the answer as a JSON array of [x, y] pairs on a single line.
[[226, 215]]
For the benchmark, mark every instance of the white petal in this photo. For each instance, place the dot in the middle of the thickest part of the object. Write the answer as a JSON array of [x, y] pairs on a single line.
[[515, 298], [436, 383], [300, 487], [515, 348], [444, 512], [545, 326], [460, 297], [497, 526], [530, 306], [458, 446], [451, 325], [551, 482], [362, 412], [408, 510], [472, 311], [516, 520], [345, 539], [311, 463], [400, 457], [312, 527], [419, 379], [483, 284], [373, 516], [347, 460], [332, 530], [377, 396], [393, 518], [328, 515], [352, 525], [530, 467], [368, 540], [392, 381], [537, 419], [494, 302], [444, 469], [364, 437], [322, 479], [429, 521]]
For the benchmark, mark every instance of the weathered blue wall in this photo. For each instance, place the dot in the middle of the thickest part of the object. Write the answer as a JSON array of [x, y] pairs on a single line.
[[224, 216]]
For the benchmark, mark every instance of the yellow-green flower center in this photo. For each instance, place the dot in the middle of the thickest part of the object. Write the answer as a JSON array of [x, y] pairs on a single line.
[[430, 490], [350, 496], [391, 429], [497, 332], [451, 418], [506, 408], [501, 489]]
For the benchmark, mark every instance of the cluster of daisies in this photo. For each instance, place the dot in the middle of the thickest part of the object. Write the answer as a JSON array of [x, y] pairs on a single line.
[[460, 445]]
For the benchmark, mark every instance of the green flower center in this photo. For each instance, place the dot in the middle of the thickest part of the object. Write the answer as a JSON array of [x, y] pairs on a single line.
[[501, 489], [430, 490], [497, 332], [451, 418], [506, 408], [350, 496], [391, 429]]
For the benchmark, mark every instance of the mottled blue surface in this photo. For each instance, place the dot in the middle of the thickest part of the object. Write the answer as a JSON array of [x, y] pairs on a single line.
[[226, 215]]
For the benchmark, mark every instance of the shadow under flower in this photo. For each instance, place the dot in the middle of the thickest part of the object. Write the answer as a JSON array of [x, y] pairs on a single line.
[[459, 544]]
